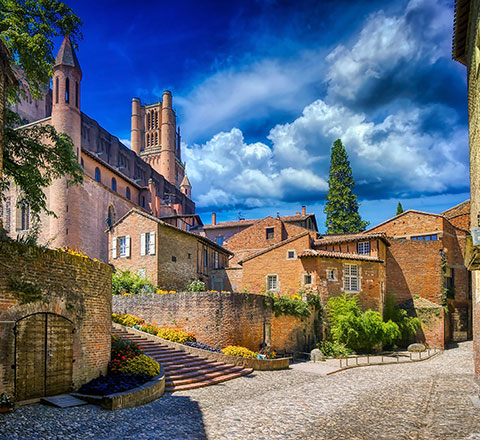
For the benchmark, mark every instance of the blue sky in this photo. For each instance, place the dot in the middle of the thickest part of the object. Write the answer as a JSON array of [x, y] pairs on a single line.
[[263, 88]]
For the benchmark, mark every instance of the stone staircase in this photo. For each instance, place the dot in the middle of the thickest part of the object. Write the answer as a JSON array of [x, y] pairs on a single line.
[[184, 371]]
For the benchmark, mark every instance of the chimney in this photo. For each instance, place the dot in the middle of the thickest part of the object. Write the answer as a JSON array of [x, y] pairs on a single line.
[[297, 213], [214, 218], [304, 210]]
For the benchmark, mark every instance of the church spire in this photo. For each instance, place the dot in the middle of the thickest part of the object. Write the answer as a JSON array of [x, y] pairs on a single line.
[[66, 55]]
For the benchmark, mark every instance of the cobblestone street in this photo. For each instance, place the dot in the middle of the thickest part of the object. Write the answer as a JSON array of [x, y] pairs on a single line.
[[424, 400]]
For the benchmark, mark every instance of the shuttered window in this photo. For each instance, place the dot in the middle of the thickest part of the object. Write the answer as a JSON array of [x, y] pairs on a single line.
[[351, 279]]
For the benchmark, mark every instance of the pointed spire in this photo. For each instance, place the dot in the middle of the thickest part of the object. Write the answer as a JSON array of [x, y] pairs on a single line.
[[66, 55], [185, 182]]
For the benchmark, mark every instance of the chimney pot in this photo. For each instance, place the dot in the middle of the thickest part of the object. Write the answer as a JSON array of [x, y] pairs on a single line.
[[304, 210], [214, 218]]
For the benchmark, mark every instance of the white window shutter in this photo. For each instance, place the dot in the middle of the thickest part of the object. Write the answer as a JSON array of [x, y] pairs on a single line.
[[127, 246], [151, 243], [142, 244], [114, 247]]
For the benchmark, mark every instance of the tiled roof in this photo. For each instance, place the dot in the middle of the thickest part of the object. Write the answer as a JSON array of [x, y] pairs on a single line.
[[342, 255], [235, 223], [408, 211], [66, 55], [460, 28], [344, 238], [460, 209]]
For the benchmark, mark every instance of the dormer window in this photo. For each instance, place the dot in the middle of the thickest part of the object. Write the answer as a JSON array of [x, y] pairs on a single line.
[[363, 248], [270, 233]]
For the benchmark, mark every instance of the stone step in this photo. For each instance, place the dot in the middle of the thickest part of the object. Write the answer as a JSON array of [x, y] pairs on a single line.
[[192, 372], [162, 352], [183, 362], [192, 367], [169, 360], [201, 377], [204, 383]]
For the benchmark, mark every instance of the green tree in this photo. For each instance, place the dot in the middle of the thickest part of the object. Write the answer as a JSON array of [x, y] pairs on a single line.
[[342, 206], [399, 209], [33, 157]]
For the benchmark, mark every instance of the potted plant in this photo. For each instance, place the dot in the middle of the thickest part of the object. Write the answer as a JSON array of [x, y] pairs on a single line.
[[7, 402]]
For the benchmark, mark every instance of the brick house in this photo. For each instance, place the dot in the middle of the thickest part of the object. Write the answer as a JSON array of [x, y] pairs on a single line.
[[329, 266], [169, 256], [425, 270], [224, 231]]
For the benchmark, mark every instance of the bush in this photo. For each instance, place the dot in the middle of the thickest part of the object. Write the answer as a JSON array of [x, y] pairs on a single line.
[[126, 319], [176, 335], [360, 331], [234, 350], [104, 385], [122, 351], [334, 349], [407, 325], [289, 305], [141, 365], [125, 281], [196, 286]]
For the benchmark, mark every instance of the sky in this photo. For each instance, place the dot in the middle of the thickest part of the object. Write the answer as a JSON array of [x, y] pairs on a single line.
[[262, 89]]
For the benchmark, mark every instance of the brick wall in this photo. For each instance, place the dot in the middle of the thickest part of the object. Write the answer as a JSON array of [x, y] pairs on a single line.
[[73, 287], [217, 319], [410, 224], [292, 334]]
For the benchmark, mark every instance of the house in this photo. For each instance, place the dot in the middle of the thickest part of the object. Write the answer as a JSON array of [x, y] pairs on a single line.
[[223, 231], [167, 255], [150, 176], [425, 270]]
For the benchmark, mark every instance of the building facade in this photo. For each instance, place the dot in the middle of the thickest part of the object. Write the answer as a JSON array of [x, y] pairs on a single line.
[[150, 176]]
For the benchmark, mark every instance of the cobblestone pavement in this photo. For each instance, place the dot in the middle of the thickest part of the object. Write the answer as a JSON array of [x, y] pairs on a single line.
[[425, 400]]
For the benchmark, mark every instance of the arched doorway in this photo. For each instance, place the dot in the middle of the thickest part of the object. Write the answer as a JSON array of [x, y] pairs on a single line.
[[43, 355]]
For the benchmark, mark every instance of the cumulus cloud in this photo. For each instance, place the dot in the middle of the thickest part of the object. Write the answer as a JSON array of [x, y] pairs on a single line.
[[403, 140]]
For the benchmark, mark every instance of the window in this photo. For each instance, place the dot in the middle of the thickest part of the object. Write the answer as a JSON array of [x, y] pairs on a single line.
[[363, 248], [82, 163], [147, 243], [56, 90], [142, 272], [114, 184], [432, 237], [127, 193], [122, 245], [142, 201], [307, 279], [216, 260], [331, 275], [67, 90], [219, 240], [351, 279], [205, 257], [76, 94], [23, 218], [291, 255], [174, 259], [189, 256], [272, 282], [270, 233], [98, 176]]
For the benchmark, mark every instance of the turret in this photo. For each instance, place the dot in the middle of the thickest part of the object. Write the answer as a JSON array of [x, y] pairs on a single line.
[[168, 138], [137, 126], [66, 118], [186, 187]]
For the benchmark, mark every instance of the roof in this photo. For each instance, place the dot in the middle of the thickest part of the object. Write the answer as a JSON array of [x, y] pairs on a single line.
[[408, 211], [344, 238], [275, 246], [457, 210], [460, 29], [240, 223], [66, 55], [162, 223], [342, 255], [186, 182]]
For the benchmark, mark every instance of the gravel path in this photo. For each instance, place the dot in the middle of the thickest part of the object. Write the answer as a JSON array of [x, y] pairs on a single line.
[[424, 400]]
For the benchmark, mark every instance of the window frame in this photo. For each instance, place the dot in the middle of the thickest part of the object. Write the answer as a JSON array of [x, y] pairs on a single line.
[[270, 233], [364, 248], [332, 271], [272, 276], [305, 275], [294, 257], [122, 246], [348, 277]]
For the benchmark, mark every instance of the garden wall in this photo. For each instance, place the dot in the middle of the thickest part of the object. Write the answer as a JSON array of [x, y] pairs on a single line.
[[216, 319], [43, 289]]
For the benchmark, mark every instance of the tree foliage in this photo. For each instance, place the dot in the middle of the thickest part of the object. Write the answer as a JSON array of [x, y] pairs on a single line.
[[407, 325], [28, 28], [35, 156], [125, 281], [342, 206], [399, 209]]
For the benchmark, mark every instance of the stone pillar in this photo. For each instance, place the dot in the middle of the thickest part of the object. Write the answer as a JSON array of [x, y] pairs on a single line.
[[168, 137], [137, 126]]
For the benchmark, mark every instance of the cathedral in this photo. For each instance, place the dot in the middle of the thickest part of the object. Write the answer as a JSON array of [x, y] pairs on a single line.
[[150, 176]]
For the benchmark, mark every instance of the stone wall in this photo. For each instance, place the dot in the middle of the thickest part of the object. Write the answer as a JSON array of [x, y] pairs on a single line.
[[76, 288], [217, 319]]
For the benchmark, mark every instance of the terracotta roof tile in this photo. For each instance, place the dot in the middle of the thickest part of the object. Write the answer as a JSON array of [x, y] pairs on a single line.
[[342, 255], [344, 238]]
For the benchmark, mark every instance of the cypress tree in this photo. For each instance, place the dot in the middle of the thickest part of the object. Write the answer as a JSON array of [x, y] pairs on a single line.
[[342, 206], [399, 209]]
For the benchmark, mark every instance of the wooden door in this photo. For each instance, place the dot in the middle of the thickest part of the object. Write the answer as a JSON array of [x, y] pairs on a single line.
[[43, 356]]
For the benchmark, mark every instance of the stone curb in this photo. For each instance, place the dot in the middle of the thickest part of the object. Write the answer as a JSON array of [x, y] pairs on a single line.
[[256, 364]]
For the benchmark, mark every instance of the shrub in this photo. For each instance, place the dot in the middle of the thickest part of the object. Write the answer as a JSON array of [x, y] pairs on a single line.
[[176, 335], [125, 281], [141, 365], [334, 349], [196, 286], [126, 319], [234, 350], [288, 305], [360, 331], [407, 325], [122, 351], [113, 384]]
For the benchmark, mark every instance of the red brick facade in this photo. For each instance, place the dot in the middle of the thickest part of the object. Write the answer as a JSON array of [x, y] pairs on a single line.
[[71, 287]]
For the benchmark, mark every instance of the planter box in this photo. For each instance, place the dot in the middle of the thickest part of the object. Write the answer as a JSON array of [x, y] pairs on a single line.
[[256, 364], [146, 393]]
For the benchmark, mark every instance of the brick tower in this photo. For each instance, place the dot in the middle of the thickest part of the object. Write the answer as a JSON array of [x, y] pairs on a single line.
[[66, 118], [155, 137]]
